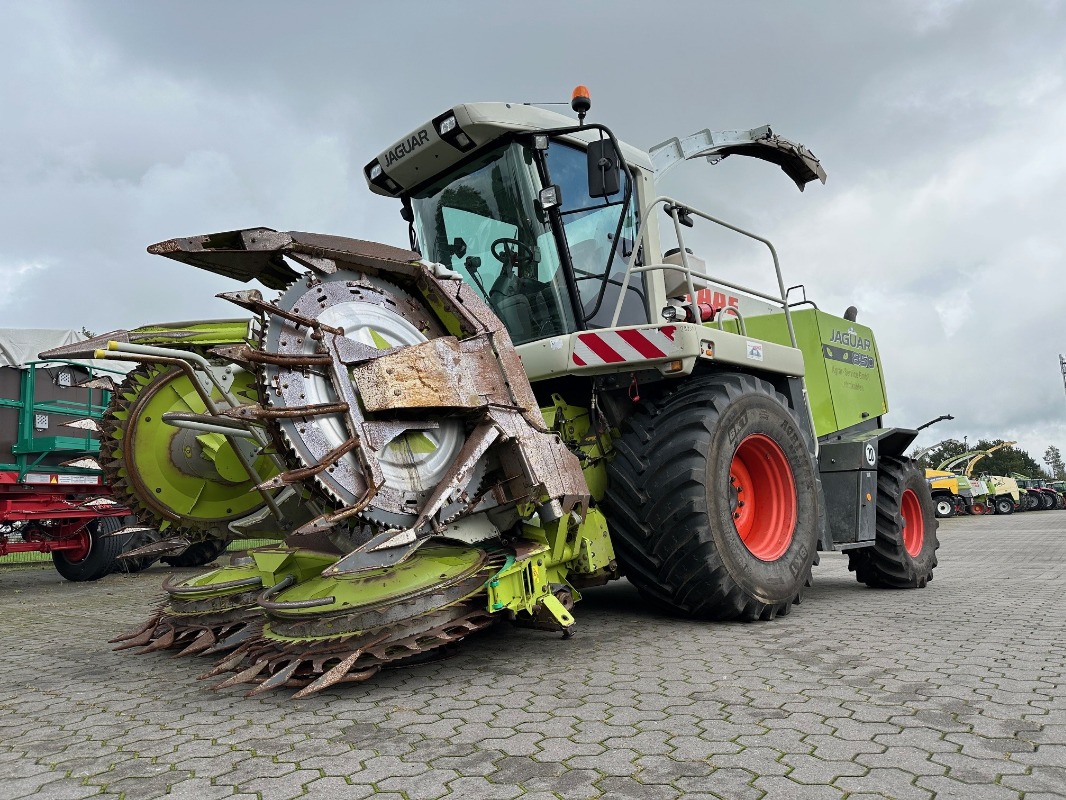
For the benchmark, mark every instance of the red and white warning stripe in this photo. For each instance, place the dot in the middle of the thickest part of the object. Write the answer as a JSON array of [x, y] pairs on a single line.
[[618, 347]]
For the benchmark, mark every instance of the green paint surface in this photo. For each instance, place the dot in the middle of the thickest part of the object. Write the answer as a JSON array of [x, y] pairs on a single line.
[[843, 366]]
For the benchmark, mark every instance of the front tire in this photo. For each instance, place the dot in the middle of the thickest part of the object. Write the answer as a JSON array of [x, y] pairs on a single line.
[[1004, 505], [944, 507], [904, 551], [99, 559], [714, 501]]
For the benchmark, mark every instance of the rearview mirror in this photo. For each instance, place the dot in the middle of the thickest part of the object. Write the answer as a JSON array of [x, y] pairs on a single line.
[[604, 174]]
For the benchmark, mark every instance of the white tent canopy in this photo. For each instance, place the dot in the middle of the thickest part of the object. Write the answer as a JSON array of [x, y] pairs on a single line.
[[21, 346]]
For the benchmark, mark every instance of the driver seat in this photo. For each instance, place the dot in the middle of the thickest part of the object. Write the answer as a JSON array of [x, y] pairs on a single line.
[[516, 313]]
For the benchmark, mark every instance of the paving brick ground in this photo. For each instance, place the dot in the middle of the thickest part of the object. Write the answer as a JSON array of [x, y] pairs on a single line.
[[956, 690]]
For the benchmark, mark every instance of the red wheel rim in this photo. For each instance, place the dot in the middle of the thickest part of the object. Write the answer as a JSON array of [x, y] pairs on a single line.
[[84, 545], [762, 497], [913, 522]]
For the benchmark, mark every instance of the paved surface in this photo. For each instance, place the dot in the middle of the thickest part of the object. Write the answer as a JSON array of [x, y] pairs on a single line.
[[956, 690]]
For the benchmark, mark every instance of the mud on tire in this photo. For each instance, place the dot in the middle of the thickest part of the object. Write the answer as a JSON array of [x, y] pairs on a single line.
[[904, 551], [671, 502]]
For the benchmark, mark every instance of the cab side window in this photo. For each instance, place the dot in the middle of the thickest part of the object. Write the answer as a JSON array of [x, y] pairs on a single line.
[[590, 224]]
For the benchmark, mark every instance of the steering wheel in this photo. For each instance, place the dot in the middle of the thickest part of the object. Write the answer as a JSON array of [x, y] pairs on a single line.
[[504, 254]]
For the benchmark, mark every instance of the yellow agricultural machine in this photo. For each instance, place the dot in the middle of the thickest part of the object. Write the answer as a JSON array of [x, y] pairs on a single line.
[[956, 490]]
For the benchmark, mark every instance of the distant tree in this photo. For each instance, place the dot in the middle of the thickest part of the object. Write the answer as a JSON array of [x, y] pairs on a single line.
[[88, 334], [1053, 459], [1004, 461]]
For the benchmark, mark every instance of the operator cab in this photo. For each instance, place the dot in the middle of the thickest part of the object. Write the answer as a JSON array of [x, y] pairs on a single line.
[[537, 214]]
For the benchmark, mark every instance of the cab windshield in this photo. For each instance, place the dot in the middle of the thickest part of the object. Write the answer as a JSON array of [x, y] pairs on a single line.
[[484, 222]]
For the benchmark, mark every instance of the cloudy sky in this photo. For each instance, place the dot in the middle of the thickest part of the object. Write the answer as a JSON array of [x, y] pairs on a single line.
[[939, 122]]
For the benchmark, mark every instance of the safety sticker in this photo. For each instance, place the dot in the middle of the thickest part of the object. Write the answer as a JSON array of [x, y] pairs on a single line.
[[755, 351]]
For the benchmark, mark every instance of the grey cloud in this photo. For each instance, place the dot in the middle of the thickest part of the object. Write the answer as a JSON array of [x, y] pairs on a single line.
[[937, 122]]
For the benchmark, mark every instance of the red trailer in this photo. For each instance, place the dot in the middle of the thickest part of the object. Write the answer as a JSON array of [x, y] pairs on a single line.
[[53, 498], [76, 522]]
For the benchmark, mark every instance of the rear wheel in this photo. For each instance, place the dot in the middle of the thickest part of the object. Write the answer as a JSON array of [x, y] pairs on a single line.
[[944, 506], [1004, 505], [97, 557], [198, 554], [132, 541], [714, 500], [1047, 502], [904, 551]]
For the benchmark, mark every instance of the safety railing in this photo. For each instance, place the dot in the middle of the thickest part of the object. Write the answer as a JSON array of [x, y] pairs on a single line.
[[681, 215]]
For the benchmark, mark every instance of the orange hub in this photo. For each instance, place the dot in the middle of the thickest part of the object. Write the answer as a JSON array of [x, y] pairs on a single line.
[[913, 522], [762, 497]]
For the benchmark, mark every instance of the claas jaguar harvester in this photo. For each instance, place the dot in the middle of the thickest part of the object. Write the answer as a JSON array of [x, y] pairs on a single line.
[[546, 392]]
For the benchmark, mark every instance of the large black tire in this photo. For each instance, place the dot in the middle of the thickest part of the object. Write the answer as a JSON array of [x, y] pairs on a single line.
[[1047, 502], [103, 552], [198, 554], [132, 565], [1060, 503], [1004, 504], [944, 506], [672, 500], [130, 542], [903, 554]]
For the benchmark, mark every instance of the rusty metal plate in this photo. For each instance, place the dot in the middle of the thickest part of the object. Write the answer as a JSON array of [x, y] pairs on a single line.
[[433, 374]]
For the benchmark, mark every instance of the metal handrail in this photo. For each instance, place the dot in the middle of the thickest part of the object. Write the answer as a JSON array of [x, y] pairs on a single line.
[[687, 270], [735, 312]]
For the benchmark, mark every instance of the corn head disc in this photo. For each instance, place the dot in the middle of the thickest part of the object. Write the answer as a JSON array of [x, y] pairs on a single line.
[[415, 455]]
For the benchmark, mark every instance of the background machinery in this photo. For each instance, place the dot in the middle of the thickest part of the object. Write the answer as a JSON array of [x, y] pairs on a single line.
[[956, 490], [1039, 494], [53, 496], [547, 391]]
